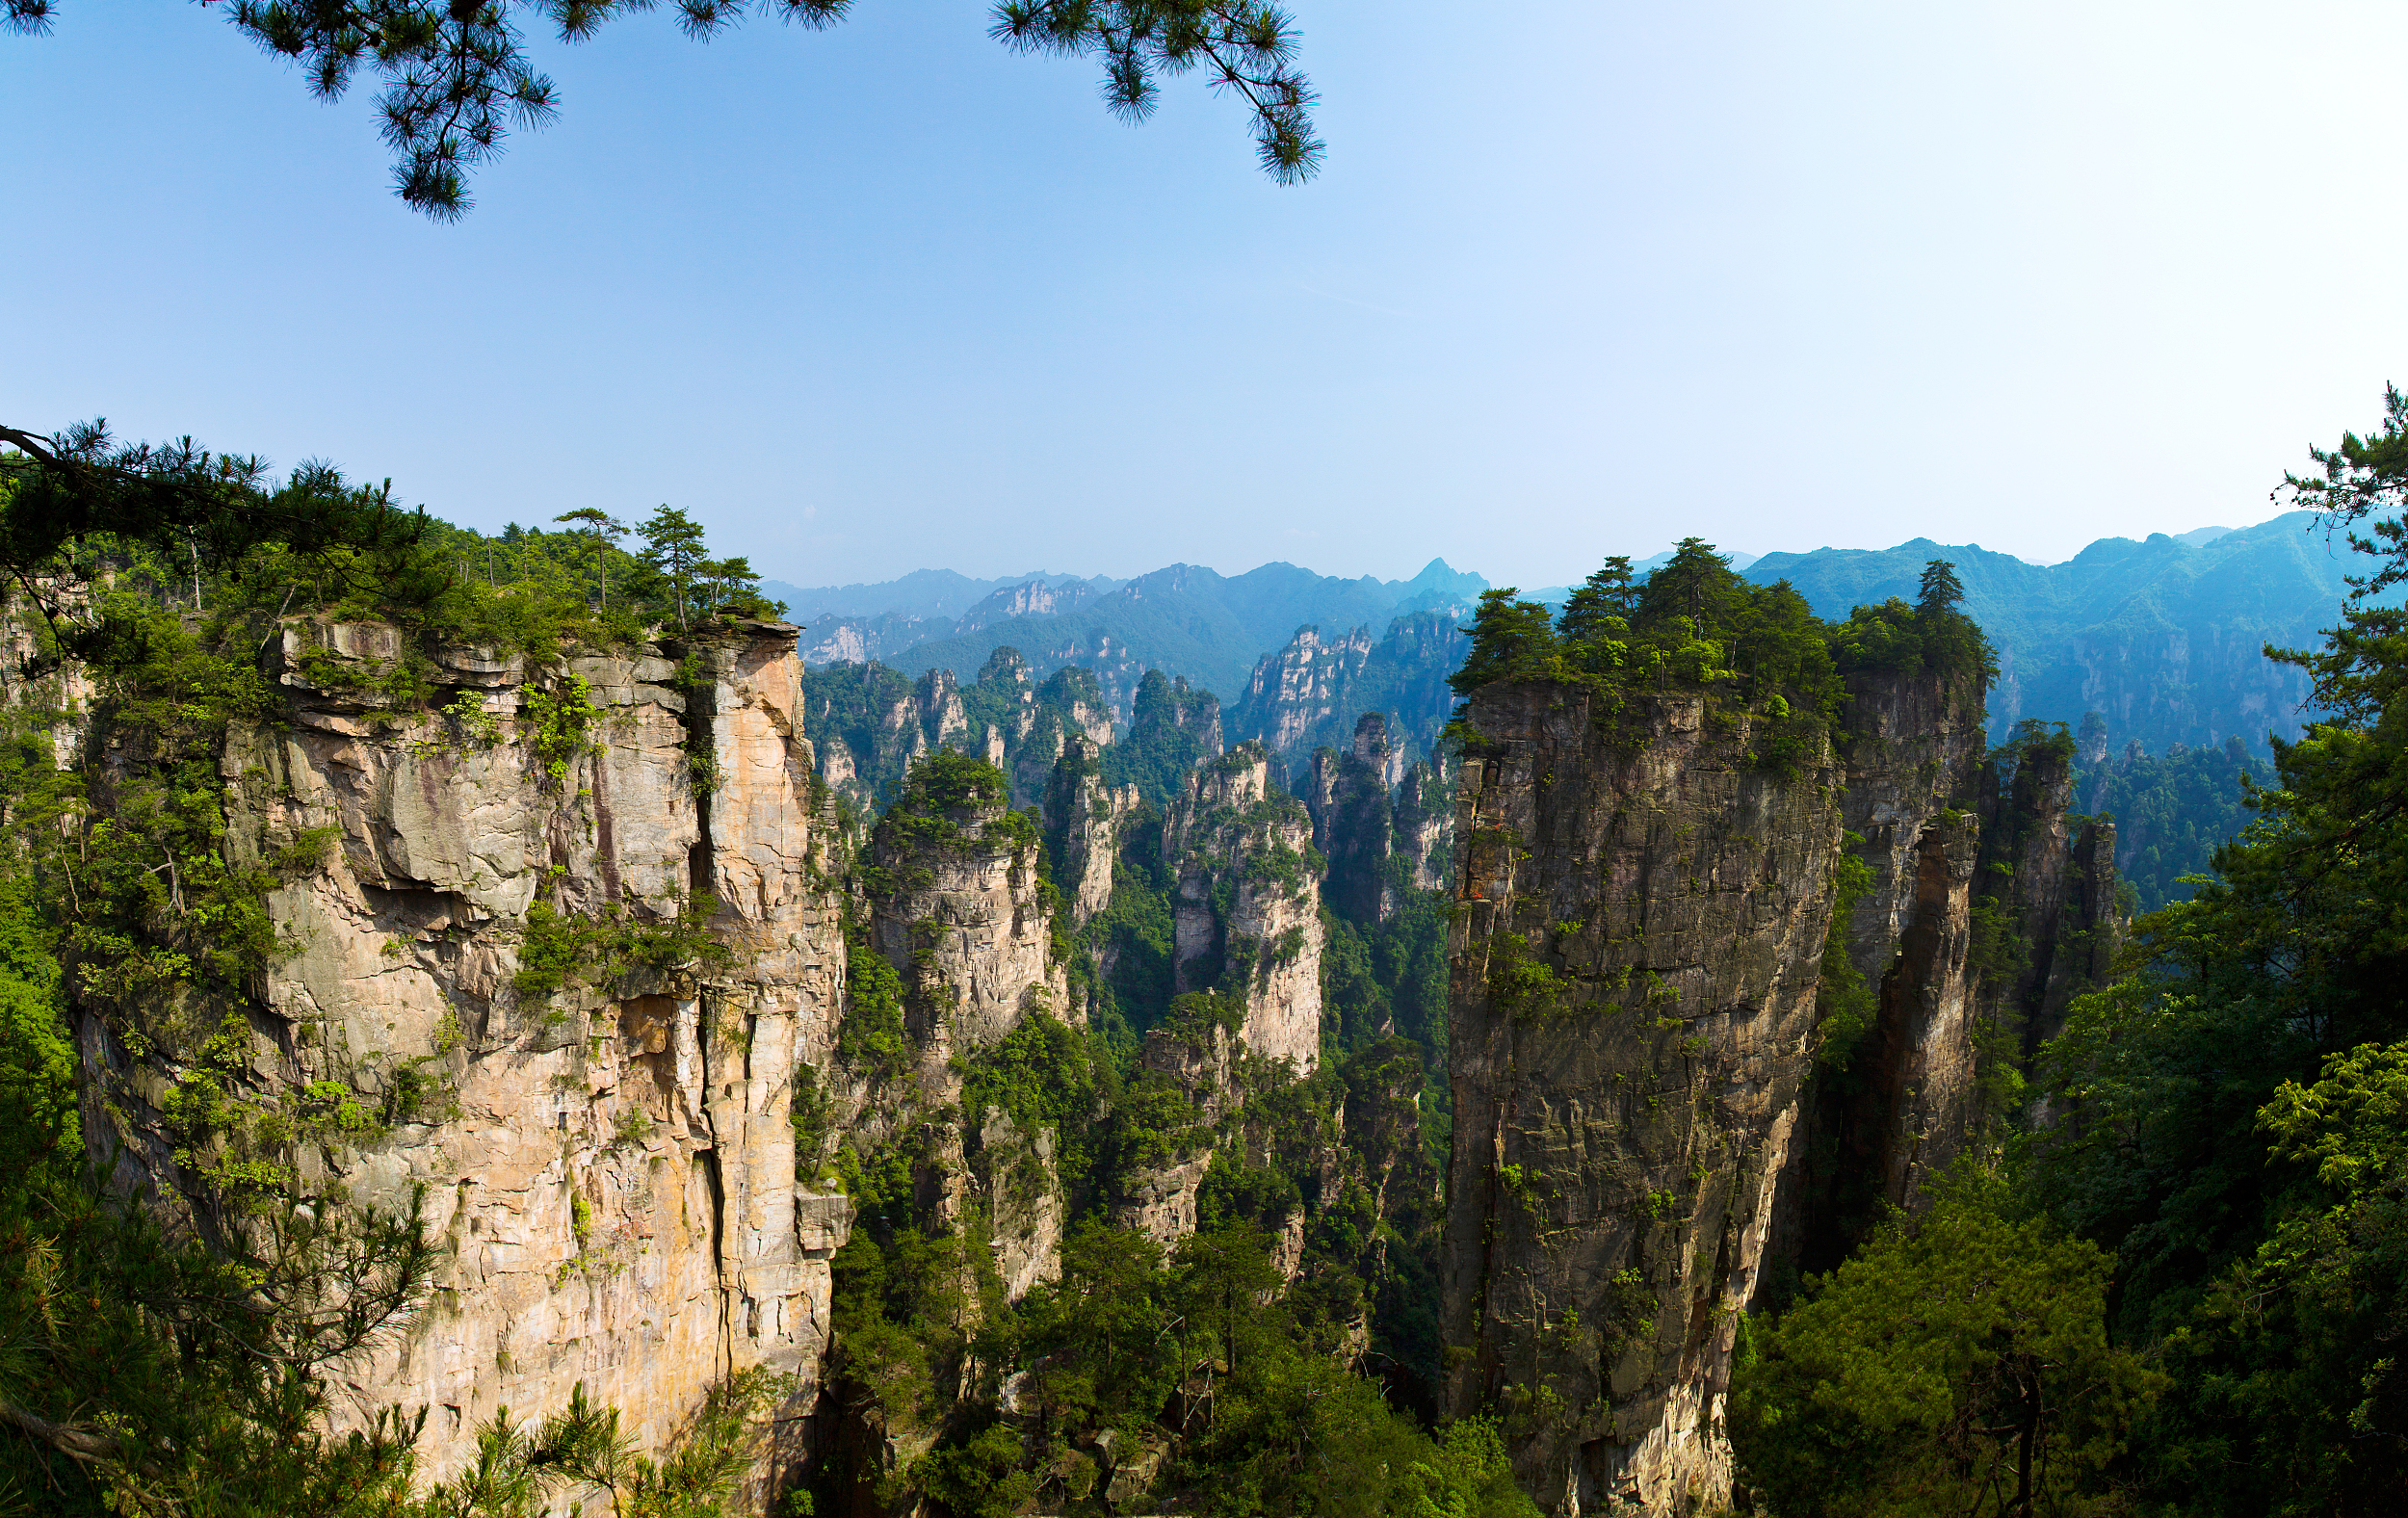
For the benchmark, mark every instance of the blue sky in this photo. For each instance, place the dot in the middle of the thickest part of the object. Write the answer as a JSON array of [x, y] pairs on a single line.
[[1580, 279]]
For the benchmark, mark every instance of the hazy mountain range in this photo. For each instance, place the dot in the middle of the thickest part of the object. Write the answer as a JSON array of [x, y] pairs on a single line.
[[2162, 637]]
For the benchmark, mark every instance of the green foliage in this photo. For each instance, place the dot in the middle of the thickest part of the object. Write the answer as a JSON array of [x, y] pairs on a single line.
[[870, 1037], [1929, 635], [953, 804], [1171, 731], [1692, 624], [561, 725], [1521, 982], [2171, 811], [563, 949], [1959, 1363], [1511, 640], [1846, 1005], [454, 80]]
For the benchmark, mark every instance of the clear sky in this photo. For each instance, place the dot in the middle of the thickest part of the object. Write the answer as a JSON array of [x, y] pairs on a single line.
[[1580, 277]]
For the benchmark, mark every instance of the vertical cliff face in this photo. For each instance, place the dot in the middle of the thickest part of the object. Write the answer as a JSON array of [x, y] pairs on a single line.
[[1309, 693], [1248, 903], [1353, 821], [497, 945], [1895, 1102], [2054, 890], [1424, 825], [956, 909], [1643, 915], [1084, 817]]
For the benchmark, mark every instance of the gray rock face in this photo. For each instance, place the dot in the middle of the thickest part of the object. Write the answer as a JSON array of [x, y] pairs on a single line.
[[609, 1167], [1635, 966], [1423, 812], [1354, 822], [1246, 911], [1914, 749], [966, 930], [1086, 815], [1636, 977]]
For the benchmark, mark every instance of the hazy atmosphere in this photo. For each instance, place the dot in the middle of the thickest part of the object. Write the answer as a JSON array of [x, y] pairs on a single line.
[[885, 296]]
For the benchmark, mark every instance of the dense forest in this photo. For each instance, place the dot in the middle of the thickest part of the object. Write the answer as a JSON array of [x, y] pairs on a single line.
[[2168, 1279]]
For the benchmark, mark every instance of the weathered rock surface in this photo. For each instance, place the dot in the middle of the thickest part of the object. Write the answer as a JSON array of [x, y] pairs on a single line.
[[1354, 822], [610, 1169], [1641, 922], [1086, 817], [1247, 904], [966, 927], [1309, 693]]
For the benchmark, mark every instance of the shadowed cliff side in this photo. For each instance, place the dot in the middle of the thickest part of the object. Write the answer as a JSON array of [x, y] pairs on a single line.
[[1642, 912]]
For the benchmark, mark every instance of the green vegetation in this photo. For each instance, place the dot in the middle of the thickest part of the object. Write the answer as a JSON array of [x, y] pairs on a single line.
[[2181, 1291], [2171, 811], [1960, 1363], [456, 79], [1171, 729], [1695, 625]]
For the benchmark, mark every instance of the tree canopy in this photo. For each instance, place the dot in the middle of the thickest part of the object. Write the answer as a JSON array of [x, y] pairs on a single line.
[[454, 76]]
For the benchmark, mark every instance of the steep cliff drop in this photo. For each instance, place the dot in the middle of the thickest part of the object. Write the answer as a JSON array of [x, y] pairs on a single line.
[[1677, 1079], [556, 943], [1642, 919]]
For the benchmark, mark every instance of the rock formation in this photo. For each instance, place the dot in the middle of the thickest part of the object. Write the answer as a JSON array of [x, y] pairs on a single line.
[[1249, 903], [1642, 916], [1652, 1012], [1308, 695], [497, 915], [1353, 821]]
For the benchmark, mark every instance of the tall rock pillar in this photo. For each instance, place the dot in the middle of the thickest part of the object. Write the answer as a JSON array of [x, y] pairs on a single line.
[[1641, 919]]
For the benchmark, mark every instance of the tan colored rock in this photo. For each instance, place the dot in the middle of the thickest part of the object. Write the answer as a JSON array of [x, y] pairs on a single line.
[[611, 1175], [1087, 816], [1232, 842]]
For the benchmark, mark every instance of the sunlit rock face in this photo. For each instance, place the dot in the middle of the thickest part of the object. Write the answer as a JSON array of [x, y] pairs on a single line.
[[1638, 1001], [1247, 904], [607, 1164]]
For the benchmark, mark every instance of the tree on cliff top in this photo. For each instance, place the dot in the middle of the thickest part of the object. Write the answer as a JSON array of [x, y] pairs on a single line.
[[457, 78]]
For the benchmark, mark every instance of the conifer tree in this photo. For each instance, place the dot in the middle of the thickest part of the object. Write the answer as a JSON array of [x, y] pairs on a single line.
[[606, 531], [673, 546], [456, 76]]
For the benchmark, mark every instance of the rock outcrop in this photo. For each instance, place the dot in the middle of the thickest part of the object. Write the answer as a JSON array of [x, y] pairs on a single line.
[[1641, 921], [1247, 902], [1673, 1069], [603, 1146], [1309, 693], [2051, 885], [1354, 822], [1084, 818]]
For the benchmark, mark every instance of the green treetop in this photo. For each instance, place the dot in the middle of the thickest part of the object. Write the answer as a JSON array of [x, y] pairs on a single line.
[[673, 548]]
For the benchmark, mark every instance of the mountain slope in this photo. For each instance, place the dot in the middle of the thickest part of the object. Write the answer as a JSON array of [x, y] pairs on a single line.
[[2162, 637]]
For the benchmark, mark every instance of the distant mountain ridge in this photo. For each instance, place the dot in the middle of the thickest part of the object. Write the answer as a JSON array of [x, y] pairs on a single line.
[[2162, 637], [1184, 620]]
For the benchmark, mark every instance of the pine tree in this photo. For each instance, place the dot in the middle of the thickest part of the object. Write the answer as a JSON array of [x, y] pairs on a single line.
[[606, 531], [673, 546], [456, 76]]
